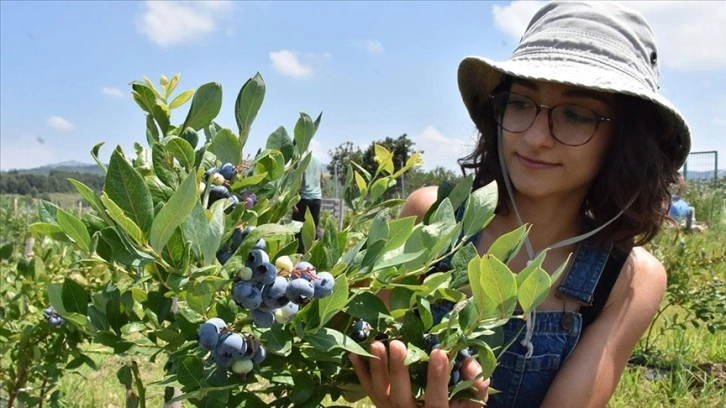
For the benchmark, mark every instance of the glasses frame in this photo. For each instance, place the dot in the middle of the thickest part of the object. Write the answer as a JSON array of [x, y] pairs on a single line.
[[539, 108]]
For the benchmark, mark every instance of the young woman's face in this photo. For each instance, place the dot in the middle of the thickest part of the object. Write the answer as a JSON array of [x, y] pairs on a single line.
[[538, 164]]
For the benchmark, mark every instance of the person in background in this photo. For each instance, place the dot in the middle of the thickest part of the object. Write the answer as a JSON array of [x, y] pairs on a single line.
[[583, 148], [311, 197], [681, 211]]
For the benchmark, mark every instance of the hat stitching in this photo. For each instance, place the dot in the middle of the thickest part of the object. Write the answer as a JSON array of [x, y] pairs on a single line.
[[593, 57]]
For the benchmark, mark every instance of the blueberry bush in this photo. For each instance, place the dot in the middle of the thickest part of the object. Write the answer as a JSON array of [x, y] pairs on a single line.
[[189, 255]]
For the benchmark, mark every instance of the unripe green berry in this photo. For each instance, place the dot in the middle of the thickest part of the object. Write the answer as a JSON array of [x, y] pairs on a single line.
[[242, 366], [284, 263], [245, 273]]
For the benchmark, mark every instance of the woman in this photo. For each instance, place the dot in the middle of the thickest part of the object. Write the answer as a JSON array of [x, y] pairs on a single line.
[[583, 149]]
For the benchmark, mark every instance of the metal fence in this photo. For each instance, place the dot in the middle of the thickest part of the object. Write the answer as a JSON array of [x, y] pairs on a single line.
[[702, 166]]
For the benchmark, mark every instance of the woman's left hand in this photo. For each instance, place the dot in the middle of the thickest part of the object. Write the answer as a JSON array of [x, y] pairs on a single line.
[[388, 381]]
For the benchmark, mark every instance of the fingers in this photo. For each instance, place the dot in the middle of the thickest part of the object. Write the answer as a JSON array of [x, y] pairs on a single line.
[[437, 384], [401, 395], [379, 370], [470, 368]]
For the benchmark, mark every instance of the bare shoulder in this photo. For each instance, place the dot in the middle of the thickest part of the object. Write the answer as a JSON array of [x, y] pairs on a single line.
[[642, 280], [418, 202]]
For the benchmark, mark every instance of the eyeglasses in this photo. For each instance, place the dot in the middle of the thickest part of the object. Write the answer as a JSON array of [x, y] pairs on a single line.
[[570, 125]]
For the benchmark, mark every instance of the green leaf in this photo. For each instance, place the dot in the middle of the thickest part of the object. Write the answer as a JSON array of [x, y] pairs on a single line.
[[308, 230], [126, 187], [277, 340], [249, 101], [533, 290], [248, 181], [280, 140], [192, 137], [91, 198], [204, 234], [55, 297], [206, 104], [182, 151], [126, 224], [384, 158], [369, 307], [47, 211], [493, 287], [181, 99], [399, 230], [122, 251], [479, 209], [459, 264], [327, 339], [189, 372], [75, 298], [506, 246], [144, 97], [74, 228], [226, 147], [461, 191], [379, 229], [94, 153], [174, 212], [163, 163], [330, 306], [304, 131]]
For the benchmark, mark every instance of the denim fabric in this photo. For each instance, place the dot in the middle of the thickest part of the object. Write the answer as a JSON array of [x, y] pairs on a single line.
[[522, 381]]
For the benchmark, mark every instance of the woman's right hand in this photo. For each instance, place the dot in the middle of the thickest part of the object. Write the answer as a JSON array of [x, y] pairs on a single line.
[[388, 382]]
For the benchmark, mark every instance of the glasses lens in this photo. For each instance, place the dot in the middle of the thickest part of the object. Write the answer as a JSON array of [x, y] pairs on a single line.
[[573, 125], [514, 113]]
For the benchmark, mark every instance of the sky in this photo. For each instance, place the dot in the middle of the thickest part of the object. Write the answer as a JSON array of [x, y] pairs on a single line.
[[373, 69]]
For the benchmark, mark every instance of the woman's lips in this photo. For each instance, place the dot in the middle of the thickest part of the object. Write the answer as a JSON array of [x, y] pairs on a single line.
[[534, 164]]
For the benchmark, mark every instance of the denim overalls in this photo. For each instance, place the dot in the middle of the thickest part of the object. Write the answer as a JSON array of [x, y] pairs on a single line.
[[523, 381]]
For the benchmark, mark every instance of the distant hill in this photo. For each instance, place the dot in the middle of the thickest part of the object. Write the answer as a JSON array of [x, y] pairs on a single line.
[[67, 166], [698, 175]]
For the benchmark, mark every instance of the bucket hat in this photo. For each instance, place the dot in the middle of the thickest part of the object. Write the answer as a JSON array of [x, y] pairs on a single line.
[[602, 46]]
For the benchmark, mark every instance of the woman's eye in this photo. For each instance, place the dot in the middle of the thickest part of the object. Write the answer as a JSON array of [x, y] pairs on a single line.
[[576, 114]]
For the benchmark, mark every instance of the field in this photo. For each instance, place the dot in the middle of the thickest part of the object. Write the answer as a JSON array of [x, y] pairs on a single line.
[[680, 362]]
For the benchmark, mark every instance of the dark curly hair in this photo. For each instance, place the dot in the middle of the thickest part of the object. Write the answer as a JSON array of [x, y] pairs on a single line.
[[640, 165]]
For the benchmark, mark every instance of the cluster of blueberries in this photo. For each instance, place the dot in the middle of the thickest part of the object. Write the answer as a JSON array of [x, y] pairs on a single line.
[[274, 293], [432, 342], [53, 318], [221, 178], [230, 350]]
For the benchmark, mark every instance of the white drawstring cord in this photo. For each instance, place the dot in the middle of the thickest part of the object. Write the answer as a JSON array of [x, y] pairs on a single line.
[[531, 315]]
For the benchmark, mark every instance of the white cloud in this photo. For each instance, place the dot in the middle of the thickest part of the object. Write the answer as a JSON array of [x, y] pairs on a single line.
[[374, 47], [168, 23], [288, 63], [111, 91], [439, 149], [25, 152], [60, 123], [691, 35], [514, 18]]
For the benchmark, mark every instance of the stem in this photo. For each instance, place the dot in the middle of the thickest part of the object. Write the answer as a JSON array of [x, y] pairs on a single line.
[[42, 392], [22, 374]]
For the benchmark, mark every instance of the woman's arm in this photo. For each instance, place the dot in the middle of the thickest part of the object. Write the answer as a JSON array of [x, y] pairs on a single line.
[[591, 374]]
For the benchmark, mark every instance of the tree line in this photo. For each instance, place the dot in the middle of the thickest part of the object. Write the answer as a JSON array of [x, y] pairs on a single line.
[[56, 181]]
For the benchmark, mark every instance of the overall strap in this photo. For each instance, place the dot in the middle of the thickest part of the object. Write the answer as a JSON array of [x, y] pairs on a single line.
[[585, 272]]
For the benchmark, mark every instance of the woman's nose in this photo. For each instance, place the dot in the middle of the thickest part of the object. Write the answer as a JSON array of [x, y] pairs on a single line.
[[540, 133]]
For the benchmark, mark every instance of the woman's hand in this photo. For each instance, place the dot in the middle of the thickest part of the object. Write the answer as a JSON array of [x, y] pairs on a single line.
[[388, 381]]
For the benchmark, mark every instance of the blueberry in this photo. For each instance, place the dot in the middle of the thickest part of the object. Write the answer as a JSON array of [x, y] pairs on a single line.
[[323, 285], [300, 291], [228, 171], [262, 318], [246, 295], [218, 193]]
